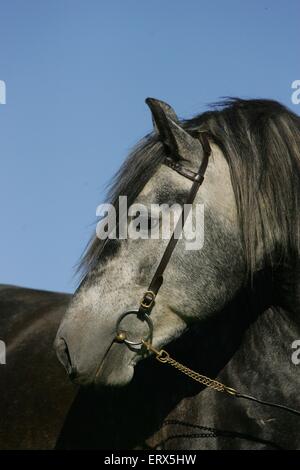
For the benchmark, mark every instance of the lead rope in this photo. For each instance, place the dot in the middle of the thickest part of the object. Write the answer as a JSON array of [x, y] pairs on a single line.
[[164, 357]]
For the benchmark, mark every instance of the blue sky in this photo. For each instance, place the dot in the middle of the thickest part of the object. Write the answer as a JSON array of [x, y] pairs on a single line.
[[77, 73]]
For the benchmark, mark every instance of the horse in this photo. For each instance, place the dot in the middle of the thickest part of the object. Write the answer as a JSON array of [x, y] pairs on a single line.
[[31, 415], [228, 311]]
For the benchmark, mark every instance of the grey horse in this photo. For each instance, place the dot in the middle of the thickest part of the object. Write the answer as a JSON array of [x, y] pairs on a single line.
[[228, 310]]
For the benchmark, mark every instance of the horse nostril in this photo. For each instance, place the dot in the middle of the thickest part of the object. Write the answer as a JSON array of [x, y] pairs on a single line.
[[63, 355]]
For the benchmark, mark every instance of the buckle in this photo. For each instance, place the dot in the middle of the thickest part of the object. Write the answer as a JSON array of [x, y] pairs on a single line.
[[148, 299]]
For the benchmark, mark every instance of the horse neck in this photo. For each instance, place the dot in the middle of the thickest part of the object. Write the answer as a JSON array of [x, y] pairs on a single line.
[[262, 365], [251, 340]]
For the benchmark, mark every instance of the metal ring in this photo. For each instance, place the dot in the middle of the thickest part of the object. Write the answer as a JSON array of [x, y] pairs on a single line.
[[144, 317]]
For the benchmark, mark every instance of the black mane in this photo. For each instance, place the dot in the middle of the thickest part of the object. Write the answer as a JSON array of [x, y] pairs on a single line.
[[260, 140]]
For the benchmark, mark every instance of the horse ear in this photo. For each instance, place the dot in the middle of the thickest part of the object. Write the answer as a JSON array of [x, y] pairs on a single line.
[[160, 111], [180, 143]]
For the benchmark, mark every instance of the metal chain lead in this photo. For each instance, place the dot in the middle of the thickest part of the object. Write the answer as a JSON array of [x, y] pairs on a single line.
[[164, 357]]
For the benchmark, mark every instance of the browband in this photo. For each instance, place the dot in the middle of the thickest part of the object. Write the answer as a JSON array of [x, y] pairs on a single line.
[[179, 168]]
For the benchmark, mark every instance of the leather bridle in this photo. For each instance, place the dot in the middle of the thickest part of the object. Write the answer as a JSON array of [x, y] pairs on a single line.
[[149, 296]]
